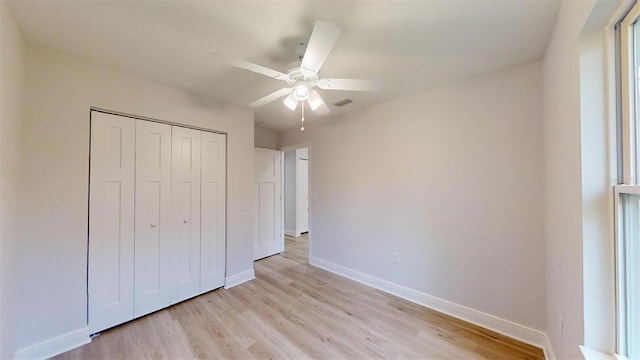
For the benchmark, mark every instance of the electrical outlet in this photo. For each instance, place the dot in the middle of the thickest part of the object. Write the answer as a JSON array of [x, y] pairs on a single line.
[[396, 258]]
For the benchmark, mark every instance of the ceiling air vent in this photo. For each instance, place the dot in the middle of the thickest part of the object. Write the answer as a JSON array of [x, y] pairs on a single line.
[[343, 102]]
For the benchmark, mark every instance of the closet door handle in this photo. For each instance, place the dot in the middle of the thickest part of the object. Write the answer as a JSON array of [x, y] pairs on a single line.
[[153, 225], [185, 221]]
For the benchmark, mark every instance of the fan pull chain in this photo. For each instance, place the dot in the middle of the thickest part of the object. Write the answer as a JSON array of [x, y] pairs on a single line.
[[302, 120]]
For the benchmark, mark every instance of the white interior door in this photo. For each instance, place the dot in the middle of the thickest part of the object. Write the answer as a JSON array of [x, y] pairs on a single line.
[[268, 236], [303, 196], [152, 217], [185, 219], [111, 228], [213, 207]]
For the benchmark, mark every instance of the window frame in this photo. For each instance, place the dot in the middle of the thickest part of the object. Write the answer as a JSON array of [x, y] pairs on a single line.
[[628, 155], [620, 191], [628, 129]]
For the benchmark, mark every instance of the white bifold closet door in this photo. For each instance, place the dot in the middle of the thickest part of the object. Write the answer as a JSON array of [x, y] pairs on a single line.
[[111, 220], [153, 233], [185, 188], [156, 217], [213, 211]]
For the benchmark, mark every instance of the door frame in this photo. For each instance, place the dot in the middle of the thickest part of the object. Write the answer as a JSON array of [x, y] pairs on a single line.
[[309, 185], [300, 195]]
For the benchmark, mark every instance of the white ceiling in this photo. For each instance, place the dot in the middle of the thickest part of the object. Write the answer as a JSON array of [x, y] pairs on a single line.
[[410, 45]]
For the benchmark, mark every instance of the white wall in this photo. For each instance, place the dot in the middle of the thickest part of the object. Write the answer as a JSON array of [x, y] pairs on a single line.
[[52, 254], [563, 180], [290, 191], [265, 138], [451, 179], [11, 84]]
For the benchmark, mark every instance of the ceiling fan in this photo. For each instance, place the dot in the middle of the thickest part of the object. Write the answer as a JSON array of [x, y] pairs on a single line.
[[302, 75]]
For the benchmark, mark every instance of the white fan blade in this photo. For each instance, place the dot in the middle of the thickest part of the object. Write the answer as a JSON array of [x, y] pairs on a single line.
[[350, 84], [322, 109], [242, 64], [324, 36], [271, 97]]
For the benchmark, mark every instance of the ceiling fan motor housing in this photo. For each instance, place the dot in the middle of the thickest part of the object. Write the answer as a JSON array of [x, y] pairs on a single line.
[[302, 80], [298, 74]]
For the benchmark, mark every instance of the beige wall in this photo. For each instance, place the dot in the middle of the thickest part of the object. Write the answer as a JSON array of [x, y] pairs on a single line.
[[451, 179], [265, 138], [52, 256], [11, 83]]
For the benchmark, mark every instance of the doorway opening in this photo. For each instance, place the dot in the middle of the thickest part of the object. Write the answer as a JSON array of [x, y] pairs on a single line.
[[296, 200]]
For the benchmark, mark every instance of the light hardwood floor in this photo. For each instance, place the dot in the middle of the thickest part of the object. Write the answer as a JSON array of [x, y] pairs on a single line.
[[295, 311]]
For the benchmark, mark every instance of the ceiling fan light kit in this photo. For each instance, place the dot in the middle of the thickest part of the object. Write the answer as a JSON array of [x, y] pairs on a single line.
[[301, 92], [314, 100], [302, 76], [291, 102]]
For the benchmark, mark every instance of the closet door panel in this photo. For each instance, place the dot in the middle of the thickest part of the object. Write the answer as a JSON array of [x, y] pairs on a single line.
[[111, 223], [185, 188], [213, 207], [152, 217]]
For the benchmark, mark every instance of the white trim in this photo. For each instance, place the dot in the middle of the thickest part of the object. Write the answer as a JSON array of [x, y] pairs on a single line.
[[291, 232], [590, 354], [548, 349], [294, 146], [505, 327], [55, 345], [237, 279], [300, 196], [627, 189], [282, 232], [628, 96]]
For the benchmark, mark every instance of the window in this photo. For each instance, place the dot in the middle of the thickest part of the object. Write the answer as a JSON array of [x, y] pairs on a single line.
[[628, 192], [629, 275]]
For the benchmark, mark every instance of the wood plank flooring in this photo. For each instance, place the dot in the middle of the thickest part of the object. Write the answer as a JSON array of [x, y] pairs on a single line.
[[295, 311]]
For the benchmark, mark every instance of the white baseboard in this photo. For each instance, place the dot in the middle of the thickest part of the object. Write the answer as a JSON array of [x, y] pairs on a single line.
[[291, 232], [548, 349], [505, 327], [238, 279], [56, 345]]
